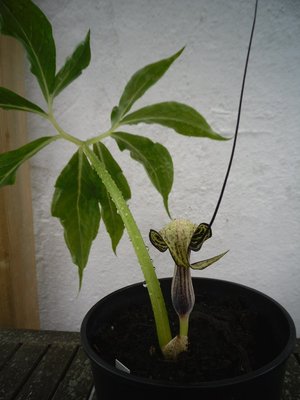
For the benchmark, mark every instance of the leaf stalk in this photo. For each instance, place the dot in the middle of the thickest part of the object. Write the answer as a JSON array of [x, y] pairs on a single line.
[[62, 132], [100, 137], [152, 282]]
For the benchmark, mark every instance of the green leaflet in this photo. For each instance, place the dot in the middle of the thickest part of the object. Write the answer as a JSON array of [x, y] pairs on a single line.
[[24, 21], [12, 101], [154, 157], [180, 117], [139, 83], [73, 66], [11, 160], [112, 220], [75, 203]]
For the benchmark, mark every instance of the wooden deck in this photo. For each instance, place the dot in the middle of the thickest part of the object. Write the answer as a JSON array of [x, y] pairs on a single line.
[[42, 365]]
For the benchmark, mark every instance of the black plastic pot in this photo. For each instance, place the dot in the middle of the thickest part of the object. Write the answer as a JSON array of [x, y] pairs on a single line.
[[263, 383]]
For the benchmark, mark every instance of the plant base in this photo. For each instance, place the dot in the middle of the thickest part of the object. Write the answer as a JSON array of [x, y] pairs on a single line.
[[239, 342]]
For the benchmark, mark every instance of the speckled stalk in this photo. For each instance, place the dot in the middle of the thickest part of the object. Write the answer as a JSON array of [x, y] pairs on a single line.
[[153, 286]]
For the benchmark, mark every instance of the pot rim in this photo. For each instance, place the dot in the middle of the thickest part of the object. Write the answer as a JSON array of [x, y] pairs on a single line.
[[278, 360]]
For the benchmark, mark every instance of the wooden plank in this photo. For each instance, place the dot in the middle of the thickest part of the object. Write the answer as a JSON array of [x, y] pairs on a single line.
[[18, 288], [7, 350], [78, 382], [34, 336], [46, 377], [75, 382], [19, 367], [57, 367], [297, 347], [291, 389]]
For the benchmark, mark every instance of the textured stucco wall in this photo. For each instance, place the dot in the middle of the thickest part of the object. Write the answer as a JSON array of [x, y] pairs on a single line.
[[259, 217]]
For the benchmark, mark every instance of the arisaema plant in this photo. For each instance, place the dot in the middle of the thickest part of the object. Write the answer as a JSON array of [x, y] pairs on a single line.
[[92, 185]]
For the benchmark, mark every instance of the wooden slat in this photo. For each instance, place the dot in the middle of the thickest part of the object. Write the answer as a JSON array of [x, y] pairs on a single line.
[[19, 368], [47, 375], [78, 380], [291, 389], [297, 347], [34, 336], [6, 352], [18, 289], [48, 365]]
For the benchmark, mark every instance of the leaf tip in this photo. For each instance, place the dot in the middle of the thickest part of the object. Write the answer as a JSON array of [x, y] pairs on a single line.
[[166, 204], [217, 136], [114, 247], [88, 36], [178, 54], [182, 49]]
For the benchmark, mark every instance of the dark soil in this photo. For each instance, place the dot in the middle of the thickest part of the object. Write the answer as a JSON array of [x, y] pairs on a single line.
[[223, 342]]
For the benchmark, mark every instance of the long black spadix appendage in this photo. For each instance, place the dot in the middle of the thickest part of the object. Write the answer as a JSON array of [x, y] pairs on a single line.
[[238, 120]]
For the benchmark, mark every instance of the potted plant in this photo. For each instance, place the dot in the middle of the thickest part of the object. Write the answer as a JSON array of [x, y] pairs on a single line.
[[144, 339]]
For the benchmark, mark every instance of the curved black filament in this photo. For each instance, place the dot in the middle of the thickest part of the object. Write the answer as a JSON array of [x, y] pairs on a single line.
[[238, 120]]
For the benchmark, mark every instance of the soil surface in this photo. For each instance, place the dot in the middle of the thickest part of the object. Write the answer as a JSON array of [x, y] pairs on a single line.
[[226, 340]]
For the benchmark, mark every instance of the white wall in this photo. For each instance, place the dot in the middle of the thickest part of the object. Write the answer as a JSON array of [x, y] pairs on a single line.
[[259, 217]]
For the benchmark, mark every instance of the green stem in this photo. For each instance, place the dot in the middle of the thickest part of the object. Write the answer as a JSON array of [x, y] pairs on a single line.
[[153, 286], [98, 138], [63, 133], [184, 325]]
